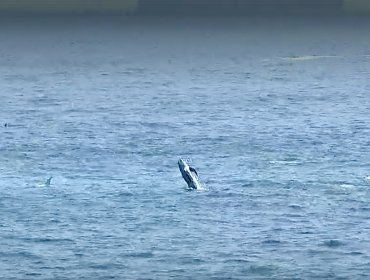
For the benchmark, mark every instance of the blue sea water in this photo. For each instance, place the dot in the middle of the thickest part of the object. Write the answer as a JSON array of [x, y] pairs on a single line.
[[273, 113]]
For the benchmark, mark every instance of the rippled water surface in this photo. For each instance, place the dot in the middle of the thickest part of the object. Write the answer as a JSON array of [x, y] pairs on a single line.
[[273, 113]]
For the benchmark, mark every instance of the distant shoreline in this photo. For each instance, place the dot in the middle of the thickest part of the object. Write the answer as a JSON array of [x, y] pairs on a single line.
[[189, 7]]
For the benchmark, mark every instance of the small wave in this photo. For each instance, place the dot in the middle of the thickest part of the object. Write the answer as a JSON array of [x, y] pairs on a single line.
[[260, 269], [355, 253], [306, 232], [272, 241], [189, 260], [332, 243], [140, 254], [308, 57], [295, 206], [22, 254], [347, 186], [288, 161], [101, 266], [47, 240], [33, 274]]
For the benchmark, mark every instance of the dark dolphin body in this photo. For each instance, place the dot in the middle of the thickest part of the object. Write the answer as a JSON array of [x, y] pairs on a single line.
[[189, 174]]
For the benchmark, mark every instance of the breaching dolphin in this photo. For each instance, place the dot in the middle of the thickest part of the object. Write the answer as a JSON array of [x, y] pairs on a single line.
[[189, 174]]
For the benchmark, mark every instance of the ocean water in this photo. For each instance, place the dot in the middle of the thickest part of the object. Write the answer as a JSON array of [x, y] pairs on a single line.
[[273, 113]]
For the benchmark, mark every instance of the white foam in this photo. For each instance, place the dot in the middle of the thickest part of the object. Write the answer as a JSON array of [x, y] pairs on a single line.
[[308, 57], [347, 186]]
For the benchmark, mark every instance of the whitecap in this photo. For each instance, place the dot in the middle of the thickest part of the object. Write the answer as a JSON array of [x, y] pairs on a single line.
[[308, 57]]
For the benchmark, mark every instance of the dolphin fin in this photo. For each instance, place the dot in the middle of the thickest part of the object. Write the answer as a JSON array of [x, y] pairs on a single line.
[[48, 181], [193, 170]]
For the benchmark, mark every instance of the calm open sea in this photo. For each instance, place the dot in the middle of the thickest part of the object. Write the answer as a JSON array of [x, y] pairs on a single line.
[[273, 113]]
